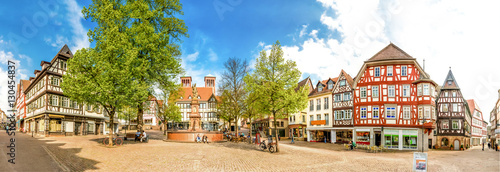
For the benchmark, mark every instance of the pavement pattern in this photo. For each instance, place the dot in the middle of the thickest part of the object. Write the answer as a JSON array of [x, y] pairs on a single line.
[[87, 153]]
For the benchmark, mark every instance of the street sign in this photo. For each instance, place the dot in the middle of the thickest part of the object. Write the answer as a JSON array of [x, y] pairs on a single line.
[[420, 162]]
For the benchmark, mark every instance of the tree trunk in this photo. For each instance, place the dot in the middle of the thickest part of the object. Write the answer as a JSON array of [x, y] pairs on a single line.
[[236, 126], [140, 114], [276, 131], [129, 121], [112, 127], [250, 130], [165, 127]]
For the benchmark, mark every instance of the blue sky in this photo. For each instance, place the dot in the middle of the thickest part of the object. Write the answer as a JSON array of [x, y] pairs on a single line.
[[322, 36]]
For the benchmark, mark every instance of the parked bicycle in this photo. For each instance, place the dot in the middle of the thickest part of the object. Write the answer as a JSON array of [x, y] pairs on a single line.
[[116, 141], [271, 146]]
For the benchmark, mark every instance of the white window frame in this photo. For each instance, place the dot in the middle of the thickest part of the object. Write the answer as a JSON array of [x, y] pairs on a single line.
[[375, 92], [406, 90], [404, 70], [406, 112], [348, 114], [453, 126], [361, 91], [376, 72], [426, 89], [445, 125], [325, 103], [389, 91], [389, 110], [454, 107], [342, 82], [338, 97], [55, 100], [389, 71], [347, 96], [363, 113], [427, 112], [375, 112]]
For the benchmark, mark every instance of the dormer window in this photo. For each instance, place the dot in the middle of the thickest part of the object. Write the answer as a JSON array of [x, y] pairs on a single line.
[[181, 97], [449, 82], [342, 83], [330, 85], [320, 88], [199, 97], [189, 97]]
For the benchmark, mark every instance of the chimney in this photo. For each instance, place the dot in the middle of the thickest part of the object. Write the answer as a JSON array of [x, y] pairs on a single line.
[[186, 81], [31, 79], [210, 82], [37, 72]]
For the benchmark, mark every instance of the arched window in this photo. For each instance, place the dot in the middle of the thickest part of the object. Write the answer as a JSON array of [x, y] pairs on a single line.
[[444, 142], [189, 97]]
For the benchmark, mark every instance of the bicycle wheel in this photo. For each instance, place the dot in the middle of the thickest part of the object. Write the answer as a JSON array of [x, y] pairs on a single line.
[[118, 141], [105, 141], [271, 149], [262, 146]]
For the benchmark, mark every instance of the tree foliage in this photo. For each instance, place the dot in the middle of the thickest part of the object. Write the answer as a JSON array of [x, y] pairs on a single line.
[[273, 82], [136, 47], [233, 90], [168, 110]]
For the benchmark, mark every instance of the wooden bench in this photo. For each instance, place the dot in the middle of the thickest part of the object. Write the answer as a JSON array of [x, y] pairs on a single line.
[[129, 135]]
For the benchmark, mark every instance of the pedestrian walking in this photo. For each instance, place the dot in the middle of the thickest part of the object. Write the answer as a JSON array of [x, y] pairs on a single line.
[[489, 145], [483, 146]]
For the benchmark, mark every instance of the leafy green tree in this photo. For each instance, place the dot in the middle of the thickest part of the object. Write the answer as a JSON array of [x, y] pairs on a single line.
[[273, 82], [233, 90], [224, 109], [168, 110], [250, 112], [127, 113]]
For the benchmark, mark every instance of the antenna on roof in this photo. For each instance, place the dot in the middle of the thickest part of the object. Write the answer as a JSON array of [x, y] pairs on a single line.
[[424, 65]]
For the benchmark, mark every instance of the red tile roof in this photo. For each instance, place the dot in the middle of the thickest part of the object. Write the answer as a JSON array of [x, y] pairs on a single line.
[[390, 52], [203, 92], [25, 84], [325, 88], [472, 105]]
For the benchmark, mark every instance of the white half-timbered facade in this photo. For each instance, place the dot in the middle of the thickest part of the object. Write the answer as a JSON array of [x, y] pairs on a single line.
[[342, 109], [453, 116], [50, 112]]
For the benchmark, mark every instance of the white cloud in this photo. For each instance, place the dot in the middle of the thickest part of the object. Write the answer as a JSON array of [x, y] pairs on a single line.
[[74, 17], [303, 30], [192, 57], [212, 56], [445, 33], [58, 42]]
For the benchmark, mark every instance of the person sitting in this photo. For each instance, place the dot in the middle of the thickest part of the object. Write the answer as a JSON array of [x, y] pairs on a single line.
[[198, 139], [143, 136], [205, 139], [137, 135]]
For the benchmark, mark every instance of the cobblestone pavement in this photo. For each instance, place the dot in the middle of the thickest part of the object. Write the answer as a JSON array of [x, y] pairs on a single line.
[[86, 153]]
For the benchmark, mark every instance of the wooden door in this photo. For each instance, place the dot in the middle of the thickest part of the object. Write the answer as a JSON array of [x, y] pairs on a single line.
[[456, 145]]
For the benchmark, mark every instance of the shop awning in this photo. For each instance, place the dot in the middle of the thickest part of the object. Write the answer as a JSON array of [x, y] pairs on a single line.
[[56, 116], [297, 126]]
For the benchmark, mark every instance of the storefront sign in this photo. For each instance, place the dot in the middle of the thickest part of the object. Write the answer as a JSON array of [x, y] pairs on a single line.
[[318, 122], [420, 161]]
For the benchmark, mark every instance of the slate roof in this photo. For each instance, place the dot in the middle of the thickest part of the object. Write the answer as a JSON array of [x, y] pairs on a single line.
[[453, 84]]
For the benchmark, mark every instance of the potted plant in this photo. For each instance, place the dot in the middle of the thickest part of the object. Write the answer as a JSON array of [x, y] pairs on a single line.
[[462, 147], [467, 147], [451, 147]]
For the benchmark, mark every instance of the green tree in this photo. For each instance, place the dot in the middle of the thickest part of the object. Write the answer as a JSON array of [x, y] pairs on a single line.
[[127, 113], [273, 82], [233, 90], [168, 110], [250, 112]]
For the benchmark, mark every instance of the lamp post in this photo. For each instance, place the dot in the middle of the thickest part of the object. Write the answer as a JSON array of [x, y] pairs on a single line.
[[423, 121]]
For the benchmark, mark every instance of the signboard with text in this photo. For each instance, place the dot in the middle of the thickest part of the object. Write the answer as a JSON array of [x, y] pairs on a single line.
[[420, 162]]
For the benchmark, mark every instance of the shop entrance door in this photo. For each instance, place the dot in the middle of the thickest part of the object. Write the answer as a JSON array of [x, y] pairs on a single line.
[[430, 143], [378, 138], [456, 144], [77, 128]]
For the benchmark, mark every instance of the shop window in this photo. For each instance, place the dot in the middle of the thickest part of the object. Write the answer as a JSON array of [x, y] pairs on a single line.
[[363, 137], [392, 141], [55, 125], [409, 142]]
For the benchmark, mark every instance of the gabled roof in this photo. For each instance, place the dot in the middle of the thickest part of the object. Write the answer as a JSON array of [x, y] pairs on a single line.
[[65, 51], [304, 83], [203, 92], [325, 88], [473, 106], [453, 84], [390, 52], [25, 84], [348, 78]]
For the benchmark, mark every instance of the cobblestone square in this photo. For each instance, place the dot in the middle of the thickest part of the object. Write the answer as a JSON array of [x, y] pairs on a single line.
[[86, 153]]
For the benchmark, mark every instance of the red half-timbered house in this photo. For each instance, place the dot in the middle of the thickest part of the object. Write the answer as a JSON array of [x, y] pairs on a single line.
[[393, 101], [477, 125], [453, 117], [342, 108]]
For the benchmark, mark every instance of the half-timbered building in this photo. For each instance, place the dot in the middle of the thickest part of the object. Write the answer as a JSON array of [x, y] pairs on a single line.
[[297, 122], [393, 101], [50, 112], [207, 108], [319, 115], [477, 125], [342, 109], [495, 122], [453, 116], [21, 105]]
